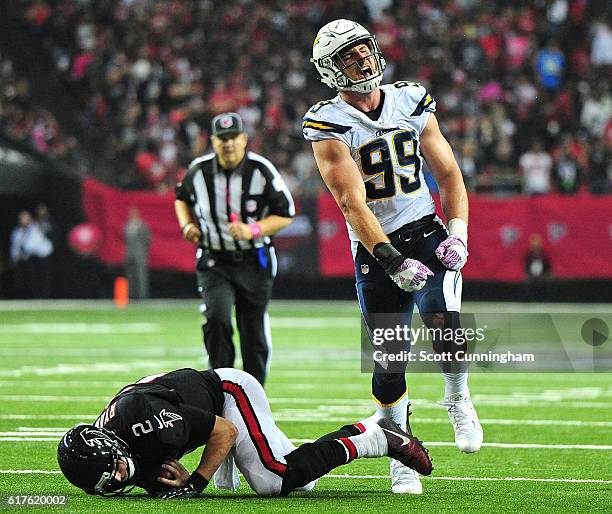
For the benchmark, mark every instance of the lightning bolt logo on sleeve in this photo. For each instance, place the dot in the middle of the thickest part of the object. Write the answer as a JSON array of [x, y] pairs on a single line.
[[325, 126]]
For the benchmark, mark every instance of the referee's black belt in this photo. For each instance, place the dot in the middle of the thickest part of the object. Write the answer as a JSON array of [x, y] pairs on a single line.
[[409, 230], [233, 255]]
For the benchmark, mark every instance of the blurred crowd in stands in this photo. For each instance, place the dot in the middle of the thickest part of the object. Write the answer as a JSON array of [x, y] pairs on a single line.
[[523, 88], [27, 121]]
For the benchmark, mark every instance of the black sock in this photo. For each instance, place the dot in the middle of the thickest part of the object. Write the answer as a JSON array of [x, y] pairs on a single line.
[[345, 431], [313, 460], [387, 388]]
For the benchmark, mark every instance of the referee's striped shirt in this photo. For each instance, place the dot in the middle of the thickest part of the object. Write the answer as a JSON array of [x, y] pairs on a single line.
[[252, 191]]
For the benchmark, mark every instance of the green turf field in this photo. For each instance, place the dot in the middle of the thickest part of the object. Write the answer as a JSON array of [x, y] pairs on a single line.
[[549, 435]]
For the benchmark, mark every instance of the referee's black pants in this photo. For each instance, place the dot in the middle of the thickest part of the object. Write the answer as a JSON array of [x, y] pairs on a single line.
[[243, 279]]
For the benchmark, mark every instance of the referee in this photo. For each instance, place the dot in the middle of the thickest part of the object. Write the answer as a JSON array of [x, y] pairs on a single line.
[[229, 204]]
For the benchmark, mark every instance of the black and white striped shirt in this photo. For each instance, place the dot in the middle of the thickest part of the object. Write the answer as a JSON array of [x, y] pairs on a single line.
[[252, 191]]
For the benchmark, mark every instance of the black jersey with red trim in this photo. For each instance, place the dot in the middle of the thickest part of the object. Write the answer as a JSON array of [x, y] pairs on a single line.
[[164, 416]]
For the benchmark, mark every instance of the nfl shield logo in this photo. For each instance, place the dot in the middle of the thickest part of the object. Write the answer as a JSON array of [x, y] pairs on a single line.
[[251, 205], [365, 269]]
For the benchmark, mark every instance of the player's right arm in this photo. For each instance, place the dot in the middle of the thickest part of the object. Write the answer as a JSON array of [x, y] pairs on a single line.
[[185, 197], [189, 226], [220, 442], [342, 177]]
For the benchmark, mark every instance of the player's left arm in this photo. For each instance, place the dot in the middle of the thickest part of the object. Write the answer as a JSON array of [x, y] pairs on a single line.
[[435, 148]]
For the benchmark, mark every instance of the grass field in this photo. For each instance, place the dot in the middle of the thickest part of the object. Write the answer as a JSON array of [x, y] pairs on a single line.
[[548, 436]]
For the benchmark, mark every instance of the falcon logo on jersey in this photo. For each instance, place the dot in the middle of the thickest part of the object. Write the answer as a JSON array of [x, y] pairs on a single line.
[[93, 438], [167, 419], [164, 420]]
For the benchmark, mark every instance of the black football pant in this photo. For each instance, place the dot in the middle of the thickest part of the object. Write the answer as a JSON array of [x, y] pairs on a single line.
[[243, 280], [438, 302]]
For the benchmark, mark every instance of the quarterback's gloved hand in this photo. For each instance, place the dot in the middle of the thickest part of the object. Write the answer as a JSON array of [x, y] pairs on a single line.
[[195, 484], [452, 252], [187, 491], [409, 274]]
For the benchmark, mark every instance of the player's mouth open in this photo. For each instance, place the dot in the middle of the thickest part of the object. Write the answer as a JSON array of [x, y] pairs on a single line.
[[367, 71]]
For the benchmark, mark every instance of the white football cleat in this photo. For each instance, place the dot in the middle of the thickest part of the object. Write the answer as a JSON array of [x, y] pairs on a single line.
[[468, 431], [404, 480]]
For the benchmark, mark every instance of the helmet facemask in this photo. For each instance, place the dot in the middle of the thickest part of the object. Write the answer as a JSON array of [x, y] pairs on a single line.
[[108, 485], [367, 79]]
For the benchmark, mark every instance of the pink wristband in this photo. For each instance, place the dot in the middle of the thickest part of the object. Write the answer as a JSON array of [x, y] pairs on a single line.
[[255, 229]]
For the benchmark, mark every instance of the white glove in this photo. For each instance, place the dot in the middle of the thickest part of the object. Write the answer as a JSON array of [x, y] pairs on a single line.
[[411, 275], [452, 252]]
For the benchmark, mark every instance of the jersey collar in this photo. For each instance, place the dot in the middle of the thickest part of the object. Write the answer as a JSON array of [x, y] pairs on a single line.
[[381, 123]]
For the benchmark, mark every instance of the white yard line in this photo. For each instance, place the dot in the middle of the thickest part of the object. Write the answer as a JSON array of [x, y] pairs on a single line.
[[46, 435], [50, 398], [526, 446], [311, 322], [79, 328], [313, 418], [140, 328], [48, 416], [295, 305], [29, 472], [357, 403], [487, 479], [29, 439], [374, 477], [99, 382]]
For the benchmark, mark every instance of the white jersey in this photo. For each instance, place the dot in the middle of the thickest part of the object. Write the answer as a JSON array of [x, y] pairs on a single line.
[[387, 151]]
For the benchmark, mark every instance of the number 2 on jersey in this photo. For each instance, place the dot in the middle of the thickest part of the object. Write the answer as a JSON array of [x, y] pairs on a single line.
[[377, 159]]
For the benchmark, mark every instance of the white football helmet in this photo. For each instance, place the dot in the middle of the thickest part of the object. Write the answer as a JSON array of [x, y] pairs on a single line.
[[340, 35]]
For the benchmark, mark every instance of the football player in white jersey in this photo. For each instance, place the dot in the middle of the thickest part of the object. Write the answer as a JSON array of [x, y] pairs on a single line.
[[369, 143]]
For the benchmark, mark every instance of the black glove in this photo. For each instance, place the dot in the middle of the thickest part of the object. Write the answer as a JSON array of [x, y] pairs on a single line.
[[192, 488], [187, 491]]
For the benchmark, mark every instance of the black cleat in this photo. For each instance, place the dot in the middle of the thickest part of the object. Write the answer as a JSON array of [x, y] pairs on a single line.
[[405, 447]]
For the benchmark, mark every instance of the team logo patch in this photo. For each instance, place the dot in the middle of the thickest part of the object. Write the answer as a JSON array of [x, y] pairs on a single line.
[[365, 269], [226, 122], [166, 419], [93, 437], [251, 205]]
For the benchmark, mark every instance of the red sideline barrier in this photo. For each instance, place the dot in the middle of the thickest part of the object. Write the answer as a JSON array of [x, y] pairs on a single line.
[[576, 231], [108, 208]]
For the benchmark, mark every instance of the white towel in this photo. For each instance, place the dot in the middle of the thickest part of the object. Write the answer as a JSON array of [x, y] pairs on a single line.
[[226, 477]]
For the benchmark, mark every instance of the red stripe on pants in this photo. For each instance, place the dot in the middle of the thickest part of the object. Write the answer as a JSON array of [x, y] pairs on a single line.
[[250, 419]]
